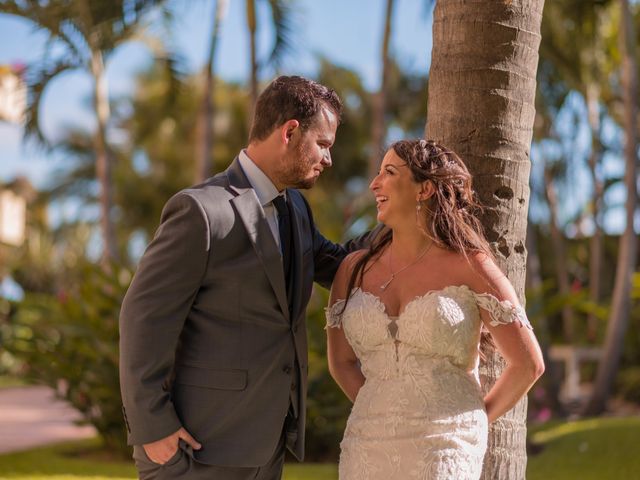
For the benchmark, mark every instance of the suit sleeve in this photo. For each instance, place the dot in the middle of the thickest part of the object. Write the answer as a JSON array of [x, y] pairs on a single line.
[[329, 255], [153, 313]]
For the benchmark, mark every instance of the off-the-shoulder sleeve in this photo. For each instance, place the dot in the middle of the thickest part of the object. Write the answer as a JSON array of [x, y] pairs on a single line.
[[502, 312], [334, 315]]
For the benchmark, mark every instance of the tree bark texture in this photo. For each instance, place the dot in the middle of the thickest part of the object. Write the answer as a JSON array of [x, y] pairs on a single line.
[[481, 104]]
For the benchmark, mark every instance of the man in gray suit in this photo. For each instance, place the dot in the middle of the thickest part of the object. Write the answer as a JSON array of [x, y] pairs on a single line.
[[213, 349]]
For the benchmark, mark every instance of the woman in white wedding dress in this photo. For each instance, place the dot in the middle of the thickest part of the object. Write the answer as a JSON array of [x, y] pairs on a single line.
[[404, 326]]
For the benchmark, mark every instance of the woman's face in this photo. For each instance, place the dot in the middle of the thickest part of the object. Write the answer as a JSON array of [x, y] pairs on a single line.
[[395, 191]]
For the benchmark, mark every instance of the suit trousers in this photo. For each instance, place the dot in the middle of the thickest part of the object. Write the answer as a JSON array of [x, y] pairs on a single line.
[[182, 466]]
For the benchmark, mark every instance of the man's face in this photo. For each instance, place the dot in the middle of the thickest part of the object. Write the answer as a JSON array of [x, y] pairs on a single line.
[[309, 151]]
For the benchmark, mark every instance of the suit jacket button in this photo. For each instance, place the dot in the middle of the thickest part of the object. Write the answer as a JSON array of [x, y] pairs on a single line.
[[294, 329], [287, 369], [293, 387]]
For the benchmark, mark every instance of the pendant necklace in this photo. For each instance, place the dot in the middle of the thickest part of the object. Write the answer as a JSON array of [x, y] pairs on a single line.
[[393, 274]]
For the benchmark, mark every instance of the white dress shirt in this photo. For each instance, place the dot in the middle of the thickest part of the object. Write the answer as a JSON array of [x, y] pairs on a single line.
[[265, 190]]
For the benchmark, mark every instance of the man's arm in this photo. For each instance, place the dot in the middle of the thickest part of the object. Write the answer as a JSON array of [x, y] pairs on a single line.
[[363, 241], [329, 255], [153, 314]]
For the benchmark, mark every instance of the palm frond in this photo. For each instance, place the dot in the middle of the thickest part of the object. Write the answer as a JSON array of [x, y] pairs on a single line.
[[37, 79], [175, 72], [284, 24], [74, 39]]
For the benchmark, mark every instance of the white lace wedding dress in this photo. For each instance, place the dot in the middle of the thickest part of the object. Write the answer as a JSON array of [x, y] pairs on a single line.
[[420, 413]]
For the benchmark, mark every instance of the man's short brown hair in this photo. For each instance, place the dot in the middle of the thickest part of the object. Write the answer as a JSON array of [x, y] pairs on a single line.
[[291, 98]]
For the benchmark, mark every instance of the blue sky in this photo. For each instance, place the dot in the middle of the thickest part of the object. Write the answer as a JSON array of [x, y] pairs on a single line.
[[347, 32]]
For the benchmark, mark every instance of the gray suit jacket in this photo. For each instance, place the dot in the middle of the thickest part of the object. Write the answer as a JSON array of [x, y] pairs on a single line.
[[207, 338]]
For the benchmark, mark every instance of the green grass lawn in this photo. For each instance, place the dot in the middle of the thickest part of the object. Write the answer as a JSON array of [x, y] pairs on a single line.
[[9, 382], [84, 460], [594, 449]]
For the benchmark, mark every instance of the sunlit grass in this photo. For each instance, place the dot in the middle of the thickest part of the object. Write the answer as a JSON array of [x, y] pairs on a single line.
[[85, 460], [71, 460], [592, 449], [568, 428], [310, 471], [8, 382]]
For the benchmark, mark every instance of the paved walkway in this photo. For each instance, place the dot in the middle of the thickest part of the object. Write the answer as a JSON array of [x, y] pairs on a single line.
[[32, 416]]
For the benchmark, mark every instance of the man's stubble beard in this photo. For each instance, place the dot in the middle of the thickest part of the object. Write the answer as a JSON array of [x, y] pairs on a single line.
[[305, 184], [299, 167]]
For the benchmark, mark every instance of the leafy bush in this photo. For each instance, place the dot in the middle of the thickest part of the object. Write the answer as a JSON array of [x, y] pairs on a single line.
[[628, 384], [69, 342], [327, 406]]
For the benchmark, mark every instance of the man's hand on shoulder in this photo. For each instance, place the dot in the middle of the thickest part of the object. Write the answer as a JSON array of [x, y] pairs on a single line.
[[162, 450]]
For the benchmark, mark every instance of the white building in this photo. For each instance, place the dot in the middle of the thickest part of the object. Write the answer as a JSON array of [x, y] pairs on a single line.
[[13, 94], [13, 212]]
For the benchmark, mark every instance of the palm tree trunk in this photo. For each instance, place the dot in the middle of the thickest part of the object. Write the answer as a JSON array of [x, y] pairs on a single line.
[[534, 283], [627, 254], [560, 256], [251, 24], [481, 104], [378, 130], [204, 166], [103, 160], [596, 244]]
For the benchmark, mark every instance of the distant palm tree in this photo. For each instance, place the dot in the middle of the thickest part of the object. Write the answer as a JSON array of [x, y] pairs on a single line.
[[378, 127], [627, 253], [88, 33], [205, 133], [282, 17], [580, 45], [560, 258], [481, 104]]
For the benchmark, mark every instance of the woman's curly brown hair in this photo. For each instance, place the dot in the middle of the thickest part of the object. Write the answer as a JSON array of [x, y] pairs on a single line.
[[451, 213]]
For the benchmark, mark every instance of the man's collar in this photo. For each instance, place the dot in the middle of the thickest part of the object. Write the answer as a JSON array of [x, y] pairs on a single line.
[[265, 190]]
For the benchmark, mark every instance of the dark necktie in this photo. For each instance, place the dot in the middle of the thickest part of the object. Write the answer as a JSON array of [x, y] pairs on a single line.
[[284, 228]]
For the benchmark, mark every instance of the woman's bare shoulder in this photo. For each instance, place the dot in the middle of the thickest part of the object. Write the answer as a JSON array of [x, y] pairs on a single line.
[[349, 263], [485, 276]]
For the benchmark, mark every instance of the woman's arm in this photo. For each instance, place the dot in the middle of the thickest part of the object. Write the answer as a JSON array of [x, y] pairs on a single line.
[[515, 340], [343, 363]]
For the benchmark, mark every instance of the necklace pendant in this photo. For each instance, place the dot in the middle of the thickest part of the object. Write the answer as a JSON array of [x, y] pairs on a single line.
[[386, 284]]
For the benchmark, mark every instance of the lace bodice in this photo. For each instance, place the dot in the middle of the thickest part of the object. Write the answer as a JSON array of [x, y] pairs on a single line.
[[441, 323]]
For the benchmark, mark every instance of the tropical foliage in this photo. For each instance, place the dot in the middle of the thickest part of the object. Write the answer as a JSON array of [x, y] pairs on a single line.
[[67, 315]]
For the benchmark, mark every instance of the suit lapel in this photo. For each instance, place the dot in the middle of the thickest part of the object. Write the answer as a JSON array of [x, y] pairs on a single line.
[[250, 211]]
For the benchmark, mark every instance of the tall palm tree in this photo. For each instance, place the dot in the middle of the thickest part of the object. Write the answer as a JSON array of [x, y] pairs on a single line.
[[205, 133], [481, 104], [282, 17], [559, 249], [88, 33], [379, 98], [577, 42], [627, 253], [551, 95]]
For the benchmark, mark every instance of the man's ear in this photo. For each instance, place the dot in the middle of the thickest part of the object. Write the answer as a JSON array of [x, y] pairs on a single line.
[[426, 191], [287, 130]]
